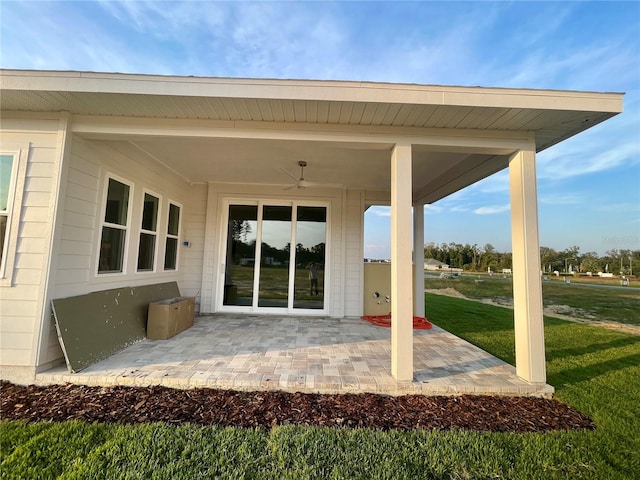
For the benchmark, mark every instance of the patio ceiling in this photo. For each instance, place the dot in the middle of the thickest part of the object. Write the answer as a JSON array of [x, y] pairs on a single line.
[[365, 108], [261, 162]]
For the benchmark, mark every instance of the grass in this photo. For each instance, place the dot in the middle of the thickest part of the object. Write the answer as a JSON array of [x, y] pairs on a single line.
[[274, 282], [593, 369], [620, 305]]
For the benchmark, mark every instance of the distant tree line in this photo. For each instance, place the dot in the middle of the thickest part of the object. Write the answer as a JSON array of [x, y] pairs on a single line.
[[479, 259]]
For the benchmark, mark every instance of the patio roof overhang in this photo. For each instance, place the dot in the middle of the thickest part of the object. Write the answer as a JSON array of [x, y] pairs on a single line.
[[344, 130]]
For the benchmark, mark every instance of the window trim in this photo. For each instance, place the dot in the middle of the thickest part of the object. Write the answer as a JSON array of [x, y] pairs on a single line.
[[20, 154], [157, 235], [167, 236], [102, 224]]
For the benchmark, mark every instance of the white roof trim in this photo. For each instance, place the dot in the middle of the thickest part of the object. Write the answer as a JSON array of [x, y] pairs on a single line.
[[339, 91]]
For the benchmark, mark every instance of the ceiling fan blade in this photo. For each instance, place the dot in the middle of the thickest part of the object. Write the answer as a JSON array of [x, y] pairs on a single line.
[[320, 184], [284, 170], [290, 187]]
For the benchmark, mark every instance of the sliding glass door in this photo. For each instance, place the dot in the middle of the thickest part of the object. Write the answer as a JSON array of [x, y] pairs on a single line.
[[262, 271]]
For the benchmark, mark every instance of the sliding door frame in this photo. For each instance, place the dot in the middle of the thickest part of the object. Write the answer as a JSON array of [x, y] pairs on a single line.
[[223, 236]]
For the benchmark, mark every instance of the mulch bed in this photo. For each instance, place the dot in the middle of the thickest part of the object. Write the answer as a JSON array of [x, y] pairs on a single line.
[[202, 406]]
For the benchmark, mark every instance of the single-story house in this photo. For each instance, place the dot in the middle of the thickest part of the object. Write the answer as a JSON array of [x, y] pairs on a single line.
[[118, 180], [431, 264]]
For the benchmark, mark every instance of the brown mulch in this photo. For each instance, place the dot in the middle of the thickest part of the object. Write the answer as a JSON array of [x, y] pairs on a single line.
[[202, 406]]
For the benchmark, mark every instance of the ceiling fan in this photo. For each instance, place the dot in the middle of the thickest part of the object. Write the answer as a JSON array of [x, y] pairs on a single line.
[[301, 183]]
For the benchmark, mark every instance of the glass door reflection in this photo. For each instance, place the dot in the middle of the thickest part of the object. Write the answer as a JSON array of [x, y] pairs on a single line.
[[311, 228], [241, 254], [275, 252]]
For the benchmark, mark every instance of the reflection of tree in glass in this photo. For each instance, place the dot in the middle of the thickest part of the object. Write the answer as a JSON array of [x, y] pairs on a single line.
[[275, 256], [313, 254], [240, 229]]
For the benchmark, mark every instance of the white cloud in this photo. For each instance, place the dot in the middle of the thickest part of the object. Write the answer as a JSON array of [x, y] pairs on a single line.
[[459, 209], [621, 207], [496, 183], [577, 158], [558, 198], [492, 209], [380, 211], [431, 208]]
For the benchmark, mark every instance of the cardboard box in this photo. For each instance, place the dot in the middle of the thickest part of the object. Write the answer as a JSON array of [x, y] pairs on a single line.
[[169, 317]]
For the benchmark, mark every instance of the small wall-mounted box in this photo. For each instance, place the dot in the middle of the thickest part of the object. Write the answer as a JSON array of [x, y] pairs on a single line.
[[169, 317]]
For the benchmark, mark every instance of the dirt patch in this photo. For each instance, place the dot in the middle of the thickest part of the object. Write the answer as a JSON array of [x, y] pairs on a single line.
[[449, 292], [563, 312], [130, 405]]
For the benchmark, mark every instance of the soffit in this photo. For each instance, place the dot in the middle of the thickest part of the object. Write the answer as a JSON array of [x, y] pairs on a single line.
[[552, 115]]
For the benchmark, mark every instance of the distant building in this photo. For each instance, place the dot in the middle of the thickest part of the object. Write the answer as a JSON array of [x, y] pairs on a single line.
[[432, 264]]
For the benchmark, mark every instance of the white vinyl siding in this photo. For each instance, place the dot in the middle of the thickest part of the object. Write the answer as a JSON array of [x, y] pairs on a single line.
[[32, 143], [92, 162], [354, 253], [75, 256], [191, 257]]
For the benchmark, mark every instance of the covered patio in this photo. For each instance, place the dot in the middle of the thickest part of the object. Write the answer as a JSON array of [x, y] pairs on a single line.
[[302, 354], [142, 179]]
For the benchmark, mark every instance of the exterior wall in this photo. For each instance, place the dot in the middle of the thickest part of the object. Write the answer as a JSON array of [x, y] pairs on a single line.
[[60, 229], [22, 292], [344, 246], [90, 164], [354, 252], [76, 253]]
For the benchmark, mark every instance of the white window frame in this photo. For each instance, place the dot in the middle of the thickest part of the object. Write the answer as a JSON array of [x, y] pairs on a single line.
[[167, 236], [155, 233], [103, 224], [15, 194]]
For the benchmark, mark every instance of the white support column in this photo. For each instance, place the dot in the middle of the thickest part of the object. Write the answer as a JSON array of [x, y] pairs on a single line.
[[401, 265], [418, 260], [527, 286]]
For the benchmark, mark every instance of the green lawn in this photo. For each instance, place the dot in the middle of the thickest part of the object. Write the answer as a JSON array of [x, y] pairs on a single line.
[[606, 304], [593, 369]]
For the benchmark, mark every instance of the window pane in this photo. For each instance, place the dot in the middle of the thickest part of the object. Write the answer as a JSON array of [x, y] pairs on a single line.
[[6, 164], [241, 255], [150, 212], [310, 257], [117, 203], [274, 261], [3, 230], [174, 219], [170, 254], [111, 250], [146, 252]]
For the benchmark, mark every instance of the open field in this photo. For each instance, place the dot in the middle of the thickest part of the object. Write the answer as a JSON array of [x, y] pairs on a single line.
[[594, 370], [274, 282], [621, 305]]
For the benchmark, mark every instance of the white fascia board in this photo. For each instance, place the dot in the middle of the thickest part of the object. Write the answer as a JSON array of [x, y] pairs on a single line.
[[339, 91]]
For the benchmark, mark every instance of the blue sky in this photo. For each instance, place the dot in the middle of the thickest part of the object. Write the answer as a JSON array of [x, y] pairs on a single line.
[[589, 186]]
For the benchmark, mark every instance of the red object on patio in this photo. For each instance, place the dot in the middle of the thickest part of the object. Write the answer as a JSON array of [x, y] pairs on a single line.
[[419, 323]]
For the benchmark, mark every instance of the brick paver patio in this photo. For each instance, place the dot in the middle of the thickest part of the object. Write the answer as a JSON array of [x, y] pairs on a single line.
[[306, 354]]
